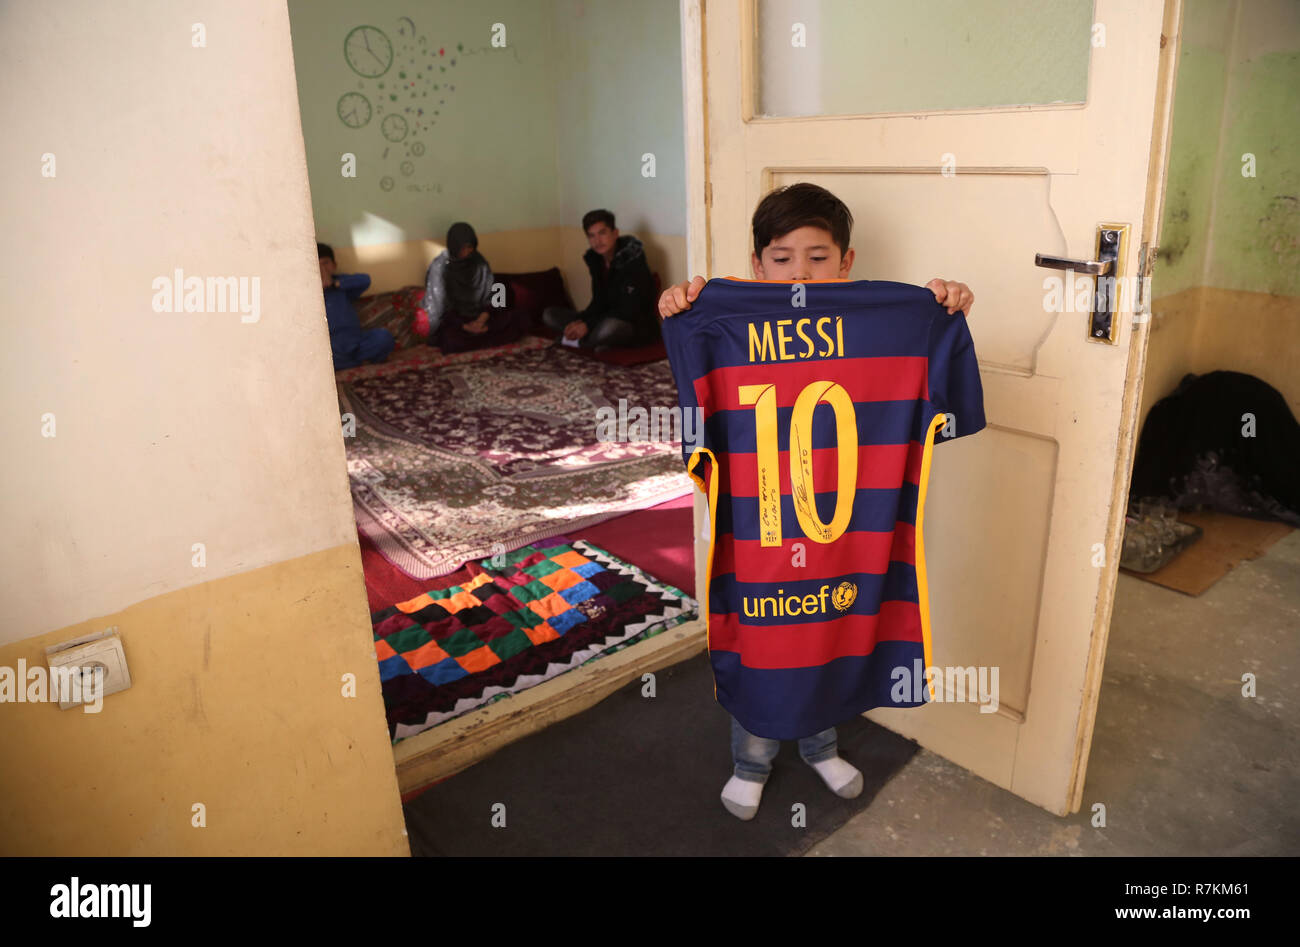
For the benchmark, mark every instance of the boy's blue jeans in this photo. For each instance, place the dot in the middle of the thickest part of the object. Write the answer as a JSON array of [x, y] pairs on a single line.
[[753, 755]]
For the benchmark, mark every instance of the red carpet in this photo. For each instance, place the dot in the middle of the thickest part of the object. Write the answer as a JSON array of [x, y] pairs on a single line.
[[657, 540]]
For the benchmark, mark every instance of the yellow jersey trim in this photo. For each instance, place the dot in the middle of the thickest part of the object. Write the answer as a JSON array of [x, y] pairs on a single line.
[[711, 494], [922, 586]]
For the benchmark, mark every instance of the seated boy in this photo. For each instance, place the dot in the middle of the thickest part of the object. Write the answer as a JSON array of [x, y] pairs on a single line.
[[801, 232], [621, 312], [351, 344]]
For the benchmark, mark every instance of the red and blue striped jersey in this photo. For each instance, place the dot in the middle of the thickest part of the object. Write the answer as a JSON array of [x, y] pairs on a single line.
[[821, 403]]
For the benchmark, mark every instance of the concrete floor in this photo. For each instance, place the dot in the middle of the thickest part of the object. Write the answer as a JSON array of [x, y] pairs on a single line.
[[1184, 764]]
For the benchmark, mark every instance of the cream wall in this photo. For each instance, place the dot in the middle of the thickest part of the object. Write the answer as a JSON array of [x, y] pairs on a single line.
[[173, 429]]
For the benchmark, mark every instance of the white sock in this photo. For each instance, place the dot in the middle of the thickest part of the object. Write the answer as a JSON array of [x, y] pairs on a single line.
[[843, 778], [741, 796]]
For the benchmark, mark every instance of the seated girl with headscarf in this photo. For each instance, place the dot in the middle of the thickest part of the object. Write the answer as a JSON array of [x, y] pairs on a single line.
[[458, 298]]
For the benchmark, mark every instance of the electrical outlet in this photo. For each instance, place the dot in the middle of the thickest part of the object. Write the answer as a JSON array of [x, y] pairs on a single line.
[[100, 650]]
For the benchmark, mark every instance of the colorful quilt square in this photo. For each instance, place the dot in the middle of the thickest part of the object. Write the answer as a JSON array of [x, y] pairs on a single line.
[[549, 606], [383, 650], [588, 569], [393, 667], [444, 672], [566, 620], [510, 645], [477, 615], [409, 639], [462, 642], [533, 592], [392, 625], [580, 592], [531, 559], [570, 559], [494, 628], [480, 659], [431, 614], [539, 634], [521, 617], [562, 579], [461, 600], [494, 597], [545, 567], [425, 656], [415, 604]]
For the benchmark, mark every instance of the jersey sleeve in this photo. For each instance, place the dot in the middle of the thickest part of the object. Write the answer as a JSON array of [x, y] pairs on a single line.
[[676, 331], [954, 376]]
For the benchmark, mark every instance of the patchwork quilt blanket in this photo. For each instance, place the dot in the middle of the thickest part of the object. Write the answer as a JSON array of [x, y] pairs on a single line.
[[522, 618]]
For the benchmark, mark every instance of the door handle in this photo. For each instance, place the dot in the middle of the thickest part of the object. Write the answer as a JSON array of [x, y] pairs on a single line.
[[1092, 267], [1112, 244]]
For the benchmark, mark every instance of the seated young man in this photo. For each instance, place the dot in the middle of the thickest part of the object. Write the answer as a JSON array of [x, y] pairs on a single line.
[[622, 308], [351, 344]]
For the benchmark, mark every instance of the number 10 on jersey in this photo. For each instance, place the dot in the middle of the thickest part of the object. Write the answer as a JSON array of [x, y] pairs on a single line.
[[803, 492]]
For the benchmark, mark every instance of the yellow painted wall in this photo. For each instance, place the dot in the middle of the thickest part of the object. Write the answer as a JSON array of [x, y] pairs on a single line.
[[237, 704], [135, 434], [1207, 329]]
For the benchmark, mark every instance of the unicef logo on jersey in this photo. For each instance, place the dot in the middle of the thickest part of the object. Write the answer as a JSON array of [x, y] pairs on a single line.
[[781, 605], [844, 596]]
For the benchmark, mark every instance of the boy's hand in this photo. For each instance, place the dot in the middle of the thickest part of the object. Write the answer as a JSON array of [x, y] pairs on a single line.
[[955, 296], [575, 330], [679, 296]]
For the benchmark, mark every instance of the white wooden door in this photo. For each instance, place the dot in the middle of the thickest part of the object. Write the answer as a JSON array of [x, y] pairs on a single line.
[[967, 138]]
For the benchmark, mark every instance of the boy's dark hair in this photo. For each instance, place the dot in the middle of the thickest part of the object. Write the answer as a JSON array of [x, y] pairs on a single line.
[[593, 217], [801, 205], [324, 251]]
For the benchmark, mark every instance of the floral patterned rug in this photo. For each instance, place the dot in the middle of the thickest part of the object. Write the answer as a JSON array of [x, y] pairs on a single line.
[[456, 458]]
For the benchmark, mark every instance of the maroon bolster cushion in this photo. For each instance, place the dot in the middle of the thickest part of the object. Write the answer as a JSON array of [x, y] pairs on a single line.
[[530, 293]]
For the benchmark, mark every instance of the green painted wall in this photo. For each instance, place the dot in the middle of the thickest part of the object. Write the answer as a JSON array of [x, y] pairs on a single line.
[[532, 135], [484, 149], [1193, 161], [1237, 93], [619, 98], [1255, 237]]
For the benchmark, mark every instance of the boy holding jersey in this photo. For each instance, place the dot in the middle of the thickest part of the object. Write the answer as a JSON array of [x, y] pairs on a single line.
[[801, 232]]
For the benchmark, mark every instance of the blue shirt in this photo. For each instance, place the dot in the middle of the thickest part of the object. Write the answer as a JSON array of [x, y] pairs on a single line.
[[344, 323]]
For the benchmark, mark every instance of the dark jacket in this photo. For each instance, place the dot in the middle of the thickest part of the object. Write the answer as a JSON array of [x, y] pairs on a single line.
[[624, 291]]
